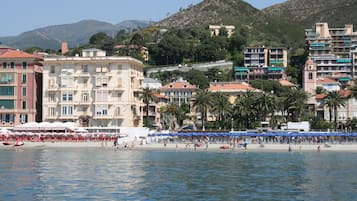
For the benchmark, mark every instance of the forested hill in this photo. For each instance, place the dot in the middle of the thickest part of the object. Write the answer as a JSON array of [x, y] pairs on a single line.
[[282, 24], [307, 12]]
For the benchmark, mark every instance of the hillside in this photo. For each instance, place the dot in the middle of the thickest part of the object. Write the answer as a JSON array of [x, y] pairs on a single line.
[[262, 29], [75, 34], [212, 12], [308, 12]]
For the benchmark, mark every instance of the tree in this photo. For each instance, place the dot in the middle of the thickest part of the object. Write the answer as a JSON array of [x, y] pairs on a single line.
[[202, 103], [147, 96], [99, 38], [137, 39], [333, 101], [245, 108], [168, 118], [197, 78], [221, 108], [295, 103]]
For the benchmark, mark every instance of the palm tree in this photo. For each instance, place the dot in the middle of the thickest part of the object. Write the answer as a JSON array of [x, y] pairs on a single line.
[[266, 104], [168, 118], [295, 103], [221, 108], [147, 96], [245, 108], [333, 101], [202, 103]]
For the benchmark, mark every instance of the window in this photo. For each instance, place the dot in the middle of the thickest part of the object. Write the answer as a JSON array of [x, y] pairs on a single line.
[[4, 65], [52, 69], [7, 91], [23, 118], [7, 104], [85, 97], [67, 81], [12, 65], [23, 104], [52, 97], [51, 111], [24, 91], [101, 110], [310, 76], [24, 65], [101, 96], [85, 69], [101, 81], [67, 96], [67, 110], [24, 78]]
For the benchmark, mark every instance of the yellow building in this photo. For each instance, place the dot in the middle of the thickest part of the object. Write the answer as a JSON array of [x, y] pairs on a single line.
[[93, 89]]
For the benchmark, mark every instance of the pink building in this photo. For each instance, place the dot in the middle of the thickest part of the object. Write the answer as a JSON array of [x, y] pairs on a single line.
[[20, 87]]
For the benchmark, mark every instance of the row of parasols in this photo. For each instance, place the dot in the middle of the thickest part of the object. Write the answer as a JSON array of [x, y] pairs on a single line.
[[255, 134]]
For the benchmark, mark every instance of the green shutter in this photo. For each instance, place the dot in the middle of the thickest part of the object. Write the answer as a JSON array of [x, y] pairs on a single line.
[[7, 104], [24, 65], [7, 91], [12, 65], [23, 78]]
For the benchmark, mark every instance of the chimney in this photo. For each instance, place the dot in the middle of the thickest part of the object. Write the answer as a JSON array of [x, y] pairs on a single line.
[[64, 48]]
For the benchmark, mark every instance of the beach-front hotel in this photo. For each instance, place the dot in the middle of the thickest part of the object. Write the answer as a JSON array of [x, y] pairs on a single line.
[[20, 94], [93, 89]]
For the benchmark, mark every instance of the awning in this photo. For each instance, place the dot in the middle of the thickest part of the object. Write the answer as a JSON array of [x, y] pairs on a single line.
[[345, 79], [241, 69], [344, 60], [275, 69]]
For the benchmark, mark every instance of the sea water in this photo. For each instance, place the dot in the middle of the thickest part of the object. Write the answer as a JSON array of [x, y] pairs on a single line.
[[106, 174]]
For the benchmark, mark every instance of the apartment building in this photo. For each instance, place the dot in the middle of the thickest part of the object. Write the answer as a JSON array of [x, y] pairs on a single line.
[[20, 87], [332, 50], [262, 63], [179, 92], [93, 89]]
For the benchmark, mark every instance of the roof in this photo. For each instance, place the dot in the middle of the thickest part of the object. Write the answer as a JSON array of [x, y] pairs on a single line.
[[5, 47], [159, 96], [150, 80], [178, 85], [320, 96], [326, 81], [16, 54], [232, 86], [343, 93], [286, 83]]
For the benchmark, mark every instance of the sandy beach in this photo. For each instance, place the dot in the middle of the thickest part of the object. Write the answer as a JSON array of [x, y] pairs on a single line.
[[184, 147]]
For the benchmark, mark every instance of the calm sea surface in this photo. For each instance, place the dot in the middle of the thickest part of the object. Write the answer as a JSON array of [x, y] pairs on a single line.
[[105, 174]]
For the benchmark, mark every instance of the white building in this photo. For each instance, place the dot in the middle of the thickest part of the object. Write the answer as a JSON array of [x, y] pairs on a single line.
[[93, 90], [152, 83]]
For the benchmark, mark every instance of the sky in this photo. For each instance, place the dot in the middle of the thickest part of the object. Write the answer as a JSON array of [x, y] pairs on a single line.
[[23, 15]]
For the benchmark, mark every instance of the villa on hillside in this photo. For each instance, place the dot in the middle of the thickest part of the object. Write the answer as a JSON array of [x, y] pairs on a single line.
[[216, 28]]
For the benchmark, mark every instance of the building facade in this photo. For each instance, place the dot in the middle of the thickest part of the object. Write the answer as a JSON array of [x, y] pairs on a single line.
[[333, 51], [179, 92], [262, 63], [216, 28], [20, 87], [93, 90]]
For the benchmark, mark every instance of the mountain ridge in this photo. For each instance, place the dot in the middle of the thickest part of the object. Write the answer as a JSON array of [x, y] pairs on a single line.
[[78, 33]]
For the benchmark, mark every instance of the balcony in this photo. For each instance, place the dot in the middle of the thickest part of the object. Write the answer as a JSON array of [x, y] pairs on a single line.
[[82, 74], [117, 88], [53, 88], [54, 117], [72, 117], [99, 117]]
